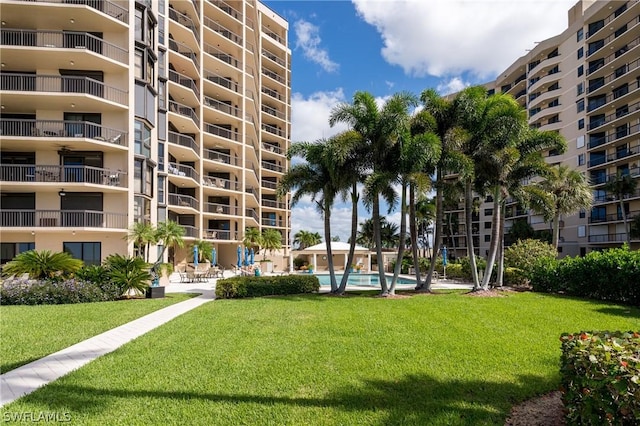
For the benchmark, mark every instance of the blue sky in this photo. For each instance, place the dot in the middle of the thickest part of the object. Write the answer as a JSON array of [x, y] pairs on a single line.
[[387, 46]]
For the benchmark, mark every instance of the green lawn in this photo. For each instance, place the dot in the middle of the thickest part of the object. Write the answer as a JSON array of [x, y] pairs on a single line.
[[319, 360], [28, 333]]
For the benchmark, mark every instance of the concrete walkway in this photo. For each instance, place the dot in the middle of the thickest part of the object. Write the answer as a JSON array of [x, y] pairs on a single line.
[[26, 379]]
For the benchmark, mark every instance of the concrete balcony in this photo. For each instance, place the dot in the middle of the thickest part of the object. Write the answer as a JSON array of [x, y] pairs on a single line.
[[183, 201], [63, 219], [222, 209], [220, 234], [267, 165], [56, 174], [185, 145], [608, 238], [57, 12]]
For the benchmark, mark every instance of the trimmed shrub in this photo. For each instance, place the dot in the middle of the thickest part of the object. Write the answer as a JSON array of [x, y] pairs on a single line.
[[238, 287], [525, 254], [466, 266], [514, 277], [600, 377], [611, 275], [53, 292]]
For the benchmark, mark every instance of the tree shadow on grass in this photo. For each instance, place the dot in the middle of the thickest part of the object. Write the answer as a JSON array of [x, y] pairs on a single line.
[[621, 311], [413, 399]]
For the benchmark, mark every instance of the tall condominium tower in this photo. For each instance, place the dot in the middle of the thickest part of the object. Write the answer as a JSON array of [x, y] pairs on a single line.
[[116, 112]]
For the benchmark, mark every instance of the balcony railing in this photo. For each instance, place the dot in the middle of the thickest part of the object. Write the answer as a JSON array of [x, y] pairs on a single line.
[[183, 140], [251, 190], [220, 183], [608, 197], [608, 238], [185, 81], [252, 214], [184, 50], [272, 93], [222, 132], [62, 219], [222, 30], [273, 35], [272, 111], [273, 130], [269, 184], [61, 129], [222, 56], [184, 110], [267, 221], [222, 209], [274, 204], [185, 21], [220, 234], [614, 135], [227, 8], [220, 157], [190, 231], [272, 147], [273, 167], [227, 108], [63, 174], [615, 217], [63, 40], [62, 84], [105, 6], [266, 53], [224, 82], [183, 201], [183, 170], [273, 75]]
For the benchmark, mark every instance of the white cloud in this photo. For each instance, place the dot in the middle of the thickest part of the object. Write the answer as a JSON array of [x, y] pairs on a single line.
[[308, 39], [448, 37], [452, 85], [310, 116]]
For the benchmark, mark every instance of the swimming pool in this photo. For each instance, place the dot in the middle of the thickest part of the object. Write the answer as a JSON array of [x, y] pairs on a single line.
[[364, 280]]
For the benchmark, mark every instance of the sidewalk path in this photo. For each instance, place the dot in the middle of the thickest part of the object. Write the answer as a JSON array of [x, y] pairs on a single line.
[[26, 379]]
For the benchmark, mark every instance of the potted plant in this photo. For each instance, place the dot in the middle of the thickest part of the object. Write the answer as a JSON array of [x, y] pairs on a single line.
[[358, 268], [310, 269], [352, 268]]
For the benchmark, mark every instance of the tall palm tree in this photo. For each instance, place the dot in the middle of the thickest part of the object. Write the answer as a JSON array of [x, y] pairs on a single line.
[[252, 238], [623, 186], [365, 233], [271, 240], [563, 191], [142, 234], [171, 235], [380, 130], [313, 178]]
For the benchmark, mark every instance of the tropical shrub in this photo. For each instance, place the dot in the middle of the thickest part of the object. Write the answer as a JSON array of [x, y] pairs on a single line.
[[128, 274], [238, 287], [42, 264], [298, 262], [514, 277], [525, 254], [608, 275], [17, 291], [599, 375], [466, 266], [92, 273]]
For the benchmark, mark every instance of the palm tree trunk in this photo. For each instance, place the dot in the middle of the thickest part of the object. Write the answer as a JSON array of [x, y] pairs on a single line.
[[426, 285], [624, 221], [352, 241], [500, 274], [327, 237], [403, 232], [495, 239], [413, 230], [468, 205], [378, 241], [556, 231]]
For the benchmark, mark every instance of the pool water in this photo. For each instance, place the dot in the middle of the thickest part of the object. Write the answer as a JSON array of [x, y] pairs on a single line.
[[364, 280]]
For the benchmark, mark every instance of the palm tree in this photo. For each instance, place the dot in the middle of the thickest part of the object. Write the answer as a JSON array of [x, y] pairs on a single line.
[[170, 234], [42, 264], [380, 130], [389, 235], [314, 178], [204, 249], [142, 234], [306, 239], [623, 186], [364, 236], [564, 191], [271, 240], [128, 273], [252, 238]]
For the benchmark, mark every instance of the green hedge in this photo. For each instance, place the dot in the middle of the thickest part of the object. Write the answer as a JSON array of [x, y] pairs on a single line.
[[237, 287], [601, 378], [608, 275]]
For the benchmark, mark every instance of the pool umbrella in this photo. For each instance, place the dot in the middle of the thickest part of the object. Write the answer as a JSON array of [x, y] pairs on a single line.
[[246, 256], [213, 256], [195, 255], [239, 256], [251, 256], [444, 256]]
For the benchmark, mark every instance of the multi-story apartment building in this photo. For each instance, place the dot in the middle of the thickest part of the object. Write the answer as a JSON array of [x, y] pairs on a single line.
[[115, 112], [584, 84]]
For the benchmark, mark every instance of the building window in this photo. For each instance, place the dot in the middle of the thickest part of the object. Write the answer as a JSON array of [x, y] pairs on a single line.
[[554, 103], [580, 140], [580, 70], [582, 231], [579, 34], [580, 89], [488, 212], [580, 159], [10, 250], [554, 86], [487, 238], [581, 125], [580, 52], [142, 178], [142, 139], [88, 252], [141, 209], [487, 225], [583, 213], [160, 157], [580, 105], [161, 192]]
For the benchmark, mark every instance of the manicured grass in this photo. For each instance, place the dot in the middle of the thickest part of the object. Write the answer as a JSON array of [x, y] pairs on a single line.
[[28, 333], [320, 360]]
